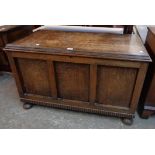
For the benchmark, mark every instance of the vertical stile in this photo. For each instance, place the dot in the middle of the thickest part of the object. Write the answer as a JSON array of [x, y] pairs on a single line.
[[52, 79], [93, 83]]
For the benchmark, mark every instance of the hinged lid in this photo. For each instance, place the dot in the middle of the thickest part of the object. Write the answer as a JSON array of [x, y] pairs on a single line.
[[126, 47]]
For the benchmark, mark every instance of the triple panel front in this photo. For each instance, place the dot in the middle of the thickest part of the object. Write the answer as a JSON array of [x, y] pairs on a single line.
[[104, 86]]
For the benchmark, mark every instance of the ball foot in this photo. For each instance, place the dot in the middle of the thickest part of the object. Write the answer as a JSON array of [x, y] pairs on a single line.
[[27, 105], [127, 121], [144, 116]]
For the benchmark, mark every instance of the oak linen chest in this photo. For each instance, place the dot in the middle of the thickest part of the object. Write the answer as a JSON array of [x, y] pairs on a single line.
[[89, 72]]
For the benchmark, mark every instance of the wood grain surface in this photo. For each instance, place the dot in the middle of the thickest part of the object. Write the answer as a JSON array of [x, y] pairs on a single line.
[[88, 44]]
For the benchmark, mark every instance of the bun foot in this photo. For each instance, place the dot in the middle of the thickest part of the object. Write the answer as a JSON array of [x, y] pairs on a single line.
[[27, 105], [127, 121], [144, 116]]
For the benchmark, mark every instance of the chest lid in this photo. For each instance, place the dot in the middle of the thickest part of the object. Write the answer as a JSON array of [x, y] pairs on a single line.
[[113, 46]]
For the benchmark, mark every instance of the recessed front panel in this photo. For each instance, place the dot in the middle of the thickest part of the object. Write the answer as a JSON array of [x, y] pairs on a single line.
[[115, 85], [34, 74], [72, 81]]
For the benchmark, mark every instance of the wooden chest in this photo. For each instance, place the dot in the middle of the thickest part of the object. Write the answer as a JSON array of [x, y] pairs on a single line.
[[90, 72], [147, 101], [10, 33]]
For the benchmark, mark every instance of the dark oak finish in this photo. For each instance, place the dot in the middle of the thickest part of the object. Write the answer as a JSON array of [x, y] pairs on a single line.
[[90, 72], [147, 100], [31, 70], [119, 79], [52, 79], [8, 34], [78, 77]]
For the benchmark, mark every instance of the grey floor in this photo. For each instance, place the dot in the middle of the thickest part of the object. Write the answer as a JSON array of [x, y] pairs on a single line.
[[12, 115]]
